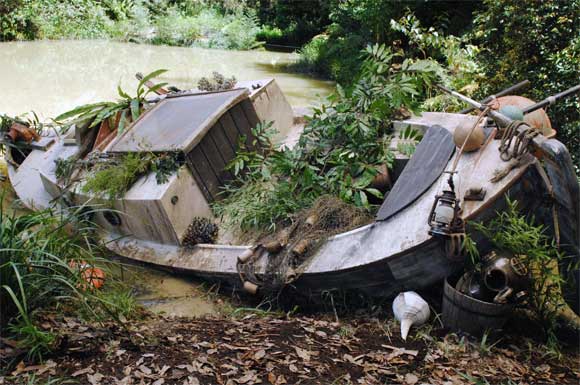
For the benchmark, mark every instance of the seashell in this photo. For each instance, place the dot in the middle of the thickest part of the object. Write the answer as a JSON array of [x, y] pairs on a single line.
[[410, 309]]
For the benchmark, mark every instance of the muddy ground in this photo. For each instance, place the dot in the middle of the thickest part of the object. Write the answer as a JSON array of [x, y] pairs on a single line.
[[261, 348]]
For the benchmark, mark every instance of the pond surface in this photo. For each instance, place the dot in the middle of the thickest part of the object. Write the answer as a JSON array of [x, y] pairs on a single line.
[[51, 77]]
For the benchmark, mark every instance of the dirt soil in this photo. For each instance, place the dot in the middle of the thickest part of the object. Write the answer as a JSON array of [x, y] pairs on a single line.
[[258, 349]]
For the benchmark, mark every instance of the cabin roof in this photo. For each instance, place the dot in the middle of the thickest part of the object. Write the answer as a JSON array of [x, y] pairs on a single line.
[[177, 123]]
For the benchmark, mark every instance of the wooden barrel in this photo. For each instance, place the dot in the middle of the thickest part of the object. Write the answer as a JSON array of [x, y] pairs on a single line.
[[467, 314]]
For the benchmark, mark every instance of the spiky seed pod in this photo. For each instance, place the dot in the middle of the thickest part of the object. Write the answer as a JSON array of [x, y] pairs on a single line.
[[201, 230], [204, 84], [218, 78]]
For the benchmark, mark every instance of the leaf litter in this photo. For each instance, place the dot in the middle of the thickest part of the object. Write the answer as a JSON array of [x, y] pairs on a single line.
[[284, 350]]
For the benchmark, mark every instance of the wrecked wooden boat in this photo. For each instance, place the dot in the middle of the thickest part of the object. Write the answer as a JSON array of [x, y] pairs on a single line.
[[399, 250]]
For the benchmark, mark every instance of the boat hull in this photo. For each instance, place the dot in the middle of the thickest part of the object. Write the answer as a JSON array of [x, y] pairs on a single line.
[[415, 268], [379, 259]]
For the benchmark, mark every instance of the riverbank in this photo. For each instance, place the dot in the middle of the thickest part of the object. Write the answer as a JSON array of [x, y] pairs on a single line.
[[256, 347], [182, 23]]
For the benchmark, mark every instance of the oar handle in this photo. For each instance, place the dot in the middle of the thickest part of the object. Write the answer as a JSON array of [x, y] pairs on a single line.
[[507, 91], [552, 99]]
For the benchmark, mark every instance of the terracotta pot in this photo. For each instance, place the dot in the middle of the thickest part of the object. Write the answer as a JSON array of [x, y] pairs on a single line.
[[537, 119], [20, 132]]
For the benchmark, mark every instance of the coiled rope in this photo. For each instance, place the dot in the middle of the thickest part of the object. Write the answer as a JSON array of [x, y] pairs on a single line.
[[515, 142]]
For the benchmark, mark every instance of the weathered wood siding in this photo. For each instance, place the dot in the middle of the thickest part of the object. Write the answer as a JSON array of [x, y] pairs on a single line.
[[208, 160]]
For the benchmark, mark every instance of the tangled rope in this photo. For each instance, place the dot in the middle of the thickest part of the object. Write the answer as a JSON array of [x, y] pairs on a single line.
[[278, 259], [515, 142]]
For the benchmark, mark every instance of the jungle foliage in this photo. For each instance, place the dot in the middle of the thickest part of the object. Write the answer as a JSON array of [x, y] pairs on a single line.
[[121, 112], [114, 178], [186, 22], [539, 41], [357, 23], [339, 152]]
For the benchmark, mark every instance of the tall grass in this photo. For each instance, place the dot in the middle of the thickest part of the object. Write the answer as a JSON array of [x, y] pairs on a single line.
[[40, 255]]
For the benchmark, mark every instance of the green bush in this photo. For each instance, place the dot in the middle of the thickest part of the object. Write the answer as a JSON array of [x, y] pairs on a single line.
[[16, 21], [241, 31], [134, 27], [182, 23], [331, 56], [74, 19], [229, 31], [269, 34], [539, 41], [339, 152], [175, 28], [291, 22], [356, 23]]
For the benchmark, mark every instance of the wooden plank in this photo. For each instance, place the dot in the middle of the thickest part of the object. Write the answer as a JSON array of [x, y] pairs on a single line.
[[218, 164], [203, 174], [424, 168], [243, 125], [250, 112], [224, 150], [231, 129], [227, 148]]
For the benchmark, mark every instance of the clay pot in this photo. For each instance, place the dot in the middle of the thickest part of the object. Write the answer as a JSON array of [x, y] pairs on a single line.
[[20, 132], [301, 247], [94, 276], [537, 119], [273, 246]]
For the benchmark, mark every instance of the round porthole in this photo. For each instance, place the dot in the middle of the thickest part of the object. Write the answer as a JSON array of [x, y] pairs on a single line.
[[174, 199], [113, 218]]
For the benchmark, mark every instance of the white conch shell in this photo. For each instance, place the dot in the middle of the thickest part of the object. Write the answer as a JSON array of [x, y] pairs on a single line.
[[410, 309]]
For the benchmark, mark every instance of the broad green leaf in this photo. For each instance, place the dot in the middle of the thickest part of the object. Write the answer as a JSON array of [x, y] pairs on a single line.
[[80, 110], [148, 77], [135, 111], [122, 93]]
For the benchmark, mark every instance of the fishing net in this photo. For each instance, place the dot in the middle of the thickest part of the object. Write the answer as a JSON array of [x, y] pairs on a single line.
[[288, 249]]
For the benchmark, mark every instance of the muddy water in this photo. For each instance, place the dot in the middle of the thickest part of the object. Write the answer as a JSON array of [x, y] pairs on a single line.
[[50, 77], [162, 292]]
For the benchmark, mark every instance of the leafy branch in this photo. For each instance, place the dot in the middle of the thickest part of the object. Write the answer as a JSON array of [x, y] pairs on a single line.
[[129, 107], [340, 152]]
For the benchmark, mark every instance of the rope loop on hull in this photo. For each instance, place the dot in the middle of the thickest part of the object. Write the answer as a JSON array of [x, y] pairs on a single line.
[[515, 144]]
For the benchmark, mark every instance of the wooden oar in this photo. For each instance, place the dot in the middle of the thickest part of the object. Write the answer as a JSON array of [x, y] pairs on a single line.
[[150, 84], [507, 91]]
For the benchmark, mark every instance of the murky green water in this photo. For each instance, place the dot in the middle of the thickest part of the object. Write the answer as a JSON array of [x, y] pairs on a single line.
[[50, 77], [172, 295]]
